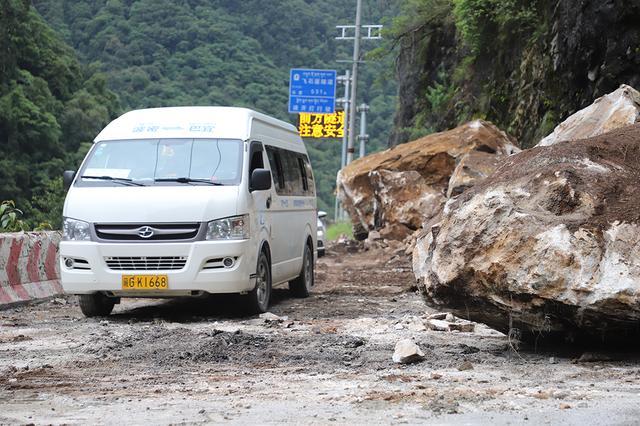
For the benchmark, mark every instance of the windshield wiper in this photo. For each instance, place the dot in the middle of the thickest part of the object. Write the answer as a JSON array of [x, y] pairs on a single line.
[[188, 180], [124, 181]]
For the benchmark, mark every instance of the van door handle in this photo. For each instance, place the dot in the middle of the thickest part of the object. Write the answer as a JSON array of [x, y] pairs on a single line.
[[269, 202]]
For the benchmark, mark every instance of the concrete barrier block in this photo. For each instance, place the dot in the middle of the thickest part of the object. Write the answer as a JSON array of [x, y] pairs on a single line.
[[29, 266]]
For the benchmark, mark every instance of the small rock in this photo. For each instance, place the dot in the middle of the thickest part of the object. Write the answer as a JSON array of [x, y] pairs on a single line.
[[564, 406], [467, 365], [438, 316], [406, 352], [449, 317], [595, 356], [436, 376], [416, 326], [269, 317], [438, 325], [374, 235], [463, 327]]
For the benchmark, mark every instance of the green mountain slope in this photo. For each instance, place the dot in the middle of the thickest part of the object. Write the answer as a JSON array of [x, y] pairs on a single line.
[[49, 106], [223, 52]]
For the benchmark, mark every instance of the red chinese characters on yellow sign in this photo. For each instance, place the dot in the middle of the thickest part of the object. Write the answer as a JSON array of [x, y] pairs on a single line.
[[321, 125]]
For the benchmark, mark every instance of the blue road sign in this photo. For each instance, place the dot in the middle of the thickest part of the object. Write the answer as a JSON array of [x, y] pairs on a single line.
[[312, 91]]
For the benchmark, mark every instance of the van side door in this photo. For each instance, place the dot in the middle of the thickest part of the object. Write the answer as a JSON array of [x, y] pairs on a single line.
[[261, 199], [280, 229]]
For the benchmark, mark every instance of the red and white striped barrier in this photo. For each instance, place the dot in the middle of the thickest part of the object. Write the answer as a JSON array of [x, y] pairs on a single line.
[[29, 266]]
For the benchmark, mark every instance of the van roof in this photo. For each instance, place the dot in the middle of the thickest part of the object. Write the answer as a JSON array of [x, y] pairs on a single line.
[[188, 122]]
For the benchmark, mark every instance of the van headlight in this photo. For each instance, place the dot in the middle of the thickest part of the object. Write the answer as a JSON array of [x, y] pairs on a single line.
[[230, 228], [75, 230]]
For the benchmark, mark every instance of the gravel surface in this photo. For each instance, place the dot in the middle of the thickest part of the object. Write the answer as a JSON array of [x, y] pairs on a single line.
[[327, 359]]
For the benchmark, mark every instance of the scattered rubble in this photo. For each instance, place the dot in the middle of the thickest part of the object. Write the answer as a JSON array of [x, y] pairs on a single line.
[[407, 352], [269, 317], [617, 109], [549, 245], [407, 185], [465, 366], [448, 322]]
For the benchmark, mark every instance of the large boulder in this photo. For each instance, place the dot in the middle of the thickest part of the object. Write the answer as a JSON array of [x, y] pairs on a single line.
[[617, 109], [408, 184], [549, 245]]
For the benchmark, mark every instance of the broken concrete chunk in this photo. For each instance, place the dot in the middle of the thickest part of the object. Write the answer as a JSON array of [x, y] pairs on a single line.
[[406, 352], [617, 109]]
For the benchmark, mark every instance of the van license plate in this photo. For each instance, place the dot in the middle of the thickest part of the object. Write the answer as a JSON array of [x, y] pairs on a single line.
[[145, 282]]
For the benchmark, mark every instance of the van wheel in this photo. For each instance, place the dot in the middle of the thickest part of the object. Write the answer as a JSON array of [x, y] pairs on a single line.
[[260, 296], [301, 286], [96, 305]]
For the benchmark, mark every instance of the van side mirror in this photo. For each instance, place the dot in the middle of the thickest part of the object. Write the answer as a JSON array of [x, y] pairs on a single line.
[[67, 178], [260, 180], [322, 214]]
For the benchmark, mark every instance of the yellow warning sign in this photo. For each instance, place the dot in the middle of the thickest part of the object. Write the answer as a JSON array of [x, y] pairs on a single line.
[[321, 125]]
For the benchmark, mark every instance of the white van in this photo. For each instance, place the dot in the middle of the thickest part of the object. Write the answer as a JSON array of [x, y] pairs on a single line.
[[187, 201]]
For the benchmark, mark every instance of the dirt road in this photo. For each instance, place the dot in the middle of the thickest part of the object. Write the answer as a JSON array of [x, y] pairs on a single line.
[[329, 361]]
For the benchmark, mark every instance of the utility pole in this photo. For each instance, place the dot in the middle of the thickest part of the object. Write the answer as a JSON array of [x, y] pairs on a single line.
[[346, 80], [363, 137], [354, 73], [373, 32]]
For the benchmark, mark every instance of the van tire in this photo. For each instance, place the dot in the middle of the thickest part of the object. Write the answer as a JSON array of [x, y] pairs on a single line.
[[259, 298], [301, 286], [96, 305]]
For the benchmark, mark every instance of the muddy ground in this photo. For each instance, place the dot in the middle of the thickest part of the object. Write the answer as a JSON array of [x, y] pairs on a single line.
[[202, 361]]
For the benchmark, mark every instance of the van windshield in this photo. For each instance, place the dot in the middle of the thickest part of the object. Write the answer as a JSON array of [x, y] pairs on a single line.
[[164, 162]]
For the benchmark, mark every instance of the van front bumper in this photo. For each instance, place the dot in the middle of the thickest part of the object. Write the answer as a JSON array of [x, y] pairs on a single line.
[[90, 272]]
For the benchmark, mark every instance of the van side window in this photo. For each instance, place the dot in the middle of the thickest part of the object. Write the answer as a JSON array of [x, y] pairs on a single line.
[[311, 185], [276, 169], [292, 173], [256, 157], [303, 172]]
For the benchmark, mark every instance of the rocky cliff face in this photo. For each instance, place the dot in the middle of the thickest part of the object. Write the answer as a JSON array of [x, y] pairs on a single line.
[[547, 245], [569, 53]]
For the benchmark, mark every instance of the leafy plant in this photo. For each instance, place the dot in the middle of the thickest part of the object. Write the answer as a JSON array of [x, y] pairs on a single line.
[[10, 217], [480, 21], [335, 230]]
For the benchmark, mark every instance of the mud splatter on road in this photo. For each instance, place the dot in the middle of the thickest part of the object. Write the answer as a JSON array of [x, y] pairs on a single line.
[[325, 359]]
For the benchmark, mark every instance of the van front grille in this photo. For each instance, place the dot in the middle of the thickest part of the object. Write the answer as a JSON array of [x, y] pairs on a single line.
[[146, 263], [147, 232]]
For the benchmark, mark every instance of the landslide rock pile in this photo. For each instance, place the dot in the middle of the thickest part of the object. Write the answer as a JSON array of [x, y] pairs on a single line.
[[549, 245], [407, 185], [617, 109]]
